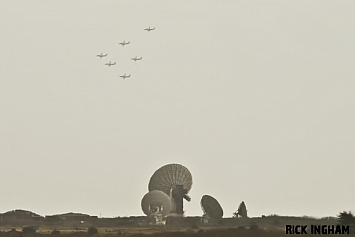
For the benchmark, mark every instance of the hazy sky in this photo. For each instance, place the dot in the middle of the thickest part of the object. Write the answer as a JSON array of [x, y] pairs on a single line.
[[255, 98]]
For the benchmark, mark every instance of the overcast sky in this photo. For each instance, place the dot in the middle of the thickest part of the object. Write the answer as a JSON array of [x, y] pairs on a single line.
[[255, 98]]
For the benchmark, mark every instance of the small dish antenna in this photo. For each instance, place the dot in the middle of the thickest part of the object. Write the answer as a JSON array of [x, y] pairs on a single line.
[[211, 208], [156, 204]]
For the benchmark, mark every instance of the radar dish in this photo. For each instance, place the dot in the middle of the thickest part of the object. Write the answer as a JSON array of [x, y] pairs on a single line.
[[211, 207], [156, 201], [242, 211], [168, 176]]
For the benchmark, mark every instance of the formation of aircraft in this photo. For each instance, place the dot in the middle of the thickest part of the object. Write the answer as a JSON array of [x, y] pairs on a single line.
[[124, 76], [101, 55], [110, 64], [136, 59], [149, 29], [124, 43]]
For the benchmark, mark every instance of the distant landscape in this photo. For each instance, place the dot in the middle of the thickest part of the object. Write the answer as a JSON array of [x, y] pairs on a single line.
[[25, 223]]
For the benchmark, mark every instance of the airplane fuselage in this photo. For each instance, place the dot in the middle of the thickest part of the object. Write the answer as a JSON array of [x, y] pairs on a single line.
[[125, 76], [149, 29], [124, 43], [136, 59], [110, 64]]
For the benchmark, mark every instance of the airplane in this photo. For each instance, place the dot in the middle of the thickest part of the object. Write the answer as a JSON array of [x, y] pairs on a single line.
[[124, 43], [110, 64], [135, 59], [101, 55], [125, 76], [149, 29]]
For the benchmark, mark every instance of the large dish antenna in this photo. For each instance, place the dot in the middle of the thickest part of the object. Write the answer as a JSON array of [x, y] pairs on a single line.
[[211, 207], [176, 181], [168, 176], [156, 203]]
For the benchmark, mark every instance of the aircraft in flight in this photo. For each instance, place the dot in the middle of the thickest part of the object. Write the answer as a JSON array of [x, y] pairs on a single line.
[[110, 64], [149, 29], [124, 76], [135, 58], [124, 43], [101, 55]]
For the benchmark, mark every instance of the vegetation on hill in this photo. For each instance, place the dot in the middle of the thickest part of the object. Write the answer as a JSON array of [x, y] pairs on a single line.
[[347, 218]]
